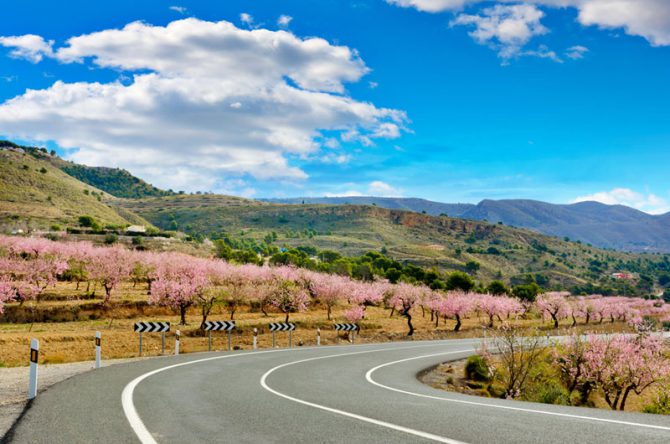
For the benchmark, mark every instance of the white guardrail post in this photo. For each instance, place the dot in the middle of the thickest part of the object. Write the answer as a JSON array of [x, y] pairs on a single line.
[[34, 355], [98, 347], [318, 336], [176, 343], [255, 338]]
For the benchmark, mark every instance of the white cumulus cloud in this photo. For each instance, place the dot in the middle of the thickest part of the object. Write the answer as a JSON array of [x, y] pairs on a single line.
[[507, 28], [649, 202], [649, 19], [284, 20], [30, 47], [206, 101]]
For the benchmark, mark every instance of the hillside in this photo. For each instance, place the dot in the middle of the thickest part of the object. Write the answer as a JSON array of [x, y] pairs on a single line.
[[393, 203], [441, 242], [606, 226], [115, 181], [35, 194]]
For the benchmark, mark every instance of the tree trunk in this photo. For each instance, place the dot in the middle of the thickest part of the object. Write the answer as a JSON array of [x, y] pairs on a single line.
[[182, 314], [409, 321], [588, 318], [574, 320], [490, 321], [553, 316], [458, 323], [329, 308], [286, 320], [437, 321], [625, 396]]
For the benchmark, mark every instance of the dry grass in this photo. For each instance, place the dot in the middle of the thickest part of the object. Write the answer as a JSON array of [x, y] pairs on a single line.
[[73, 339]]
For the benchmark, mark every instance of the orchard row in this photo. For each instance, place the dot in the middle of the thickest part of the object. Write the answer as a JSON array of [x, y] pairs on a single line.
[[29, 266]]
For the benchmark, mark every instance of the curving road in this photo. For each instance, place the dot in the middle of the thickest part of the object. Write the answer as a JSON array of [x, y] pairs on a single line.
[[364, 393]]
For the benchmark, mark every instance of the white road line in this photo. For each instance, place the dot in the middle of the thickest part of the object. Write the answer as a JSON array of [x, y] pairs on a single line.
[[136, 422], [378, 422], [368, 377]]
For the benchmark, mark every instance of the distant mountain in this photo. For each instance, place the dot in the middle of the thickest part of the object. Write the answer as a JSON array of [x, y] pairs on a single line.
[[608, 226]]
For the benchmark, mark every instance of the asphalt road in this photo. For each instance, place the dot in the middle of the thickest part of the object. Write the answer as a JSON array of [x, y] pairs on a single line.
[[362, 394]]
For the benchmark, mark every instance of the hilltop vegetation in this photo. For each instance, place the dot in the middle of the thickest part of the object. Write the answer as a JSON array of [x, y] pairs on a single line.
[[115, 181], [485, 251], [35, 194]]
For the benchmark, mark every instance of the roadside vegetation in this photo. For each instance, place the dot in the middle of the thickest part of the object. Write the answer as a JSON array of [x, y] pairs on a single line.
[[615, 371], [82, 285]]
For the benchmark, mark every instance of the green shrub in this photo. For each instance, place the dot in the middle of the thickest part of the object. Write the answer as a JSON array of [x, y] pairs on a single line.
[[111, 238], [477, 369], [553, 393], [660, 405]]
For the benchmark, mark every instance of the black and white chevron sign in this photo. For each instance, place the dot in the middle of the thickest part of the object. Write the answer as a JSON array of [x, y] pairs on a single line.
[[346, 327], [282, 326], [151, 327], [218, 325]]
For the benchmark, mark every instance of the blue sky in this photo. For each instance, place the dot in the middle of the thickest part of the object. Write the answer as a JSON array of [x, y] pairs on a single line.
[[449, 100]]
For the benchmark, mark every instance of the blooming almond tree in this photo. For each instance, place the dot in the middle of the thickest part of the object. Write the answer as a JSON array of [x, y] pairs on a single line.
[[354, 314], [405, 297], [180, 283], [554, 305], [110, 266], [7, 292], [329, 289], [621, 364], [456, 305], [289, 297]]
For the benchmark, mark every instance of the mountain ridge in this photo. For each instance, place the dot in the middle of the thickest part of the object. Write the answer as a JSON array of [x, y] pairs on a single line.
[[607, 226]]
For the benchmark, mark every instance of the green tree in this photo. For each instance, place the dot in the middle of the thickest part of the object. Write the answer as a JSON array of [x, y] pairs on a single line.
[[527, 292], [460, 281], [472, 267], [497, 288]]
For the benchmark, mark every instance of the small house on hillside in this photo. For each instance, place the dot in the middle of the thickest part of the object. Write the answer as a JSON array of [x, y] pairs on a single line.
[[136, 229]]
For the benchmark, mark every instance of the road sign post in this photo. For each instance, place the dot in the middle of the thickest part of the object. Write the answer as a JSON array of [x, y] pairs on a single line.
[[98, 347], [152, 327], [162, 343], [34, 355], [211, 326], [282, 326], [353, 328]]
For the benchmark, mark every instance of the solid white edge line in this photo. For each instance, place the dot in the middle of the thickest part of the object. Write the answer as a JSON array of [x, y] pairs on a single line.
[[378, 422], [134, 418], [368, 377]]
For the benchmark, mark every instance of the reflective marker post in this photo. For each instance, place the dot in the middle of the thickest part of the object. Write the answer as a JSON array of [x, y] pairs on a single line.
[[255, 338], [318, 336], [176, 343], [34, 355], [98, 348]]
